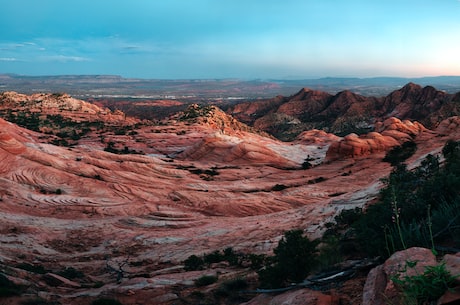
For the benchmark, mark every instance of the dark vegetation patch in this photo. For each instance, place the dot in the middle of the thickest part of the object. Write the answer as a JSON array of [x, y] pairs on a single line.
[[8, 288], [400, 153], [419, 207]]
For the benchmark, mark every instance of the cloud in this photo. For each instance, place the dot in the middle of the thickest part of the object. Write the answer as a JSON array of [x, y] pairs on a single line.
[[64, 58], [8, 59]]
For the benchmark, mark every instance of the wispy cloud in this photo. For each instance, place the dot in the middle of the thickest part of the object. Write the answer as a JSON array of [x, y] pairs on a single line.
[[64, 58], [8, 59]]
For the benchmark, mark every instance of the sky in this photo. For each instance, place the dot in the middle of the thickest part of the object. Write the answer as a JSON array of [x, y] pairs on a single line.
[[247, 39]]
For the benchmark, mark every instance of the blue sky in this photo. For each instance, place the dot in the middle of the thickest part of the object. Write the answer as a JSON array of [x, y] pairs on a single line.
[[177, 39]]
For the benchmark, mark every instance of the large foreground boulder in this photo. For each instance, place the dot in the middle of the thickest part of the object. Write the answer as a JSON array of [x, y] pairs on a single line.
[[381, 290]]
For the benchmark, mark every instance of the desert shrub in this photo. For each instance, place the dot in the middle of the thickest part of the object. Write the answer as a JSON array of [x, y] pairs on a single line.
[[7, 287], [400, 153], [424, 288], [71, 273], [329, 253], [279, 187], [213, 257], [446, 222], [193, 262], [451, 149], [306, 165], [205, 280], [295, 257], [106, 301], [257, 261], [231, 290], [235, 284], [348, 216], [32, 268], [231, 256]]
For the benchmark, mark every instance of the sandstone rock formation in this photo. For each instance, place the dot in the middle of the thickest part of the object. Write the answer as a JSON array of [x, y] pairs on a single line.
[[61, 104], [345, 112], [191, 186], [380, 289], [244, 149], [392, 132]]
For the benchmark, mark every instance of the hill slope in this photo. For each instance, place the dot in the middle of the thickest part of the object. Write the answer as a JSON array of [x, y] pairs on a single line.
[[345, 112]]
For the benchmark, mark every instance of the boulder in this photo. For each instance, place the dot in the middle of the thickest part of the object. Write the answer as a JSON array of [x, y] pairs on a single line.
[[380, 289]]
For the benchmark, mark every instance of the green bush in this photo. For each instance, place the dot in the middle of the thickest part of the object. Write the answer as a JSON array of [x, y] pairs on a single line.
[[295, 256], [231, 256], [400, 153], [235, 284], [330, 253], [71, 273], [279, 187], [424, 288], [214, 257], [257, 261], [205, 280], [193, 263], [231, 290]]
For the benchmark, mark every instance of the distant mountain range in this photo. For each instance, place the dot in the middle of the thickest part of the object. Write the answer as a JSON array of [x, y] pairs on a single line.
[[345, 112], [112, 86]]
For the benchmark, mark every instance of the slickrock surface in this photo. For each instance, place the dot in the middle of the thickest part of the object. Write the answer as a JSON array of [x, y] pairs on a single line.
[[197, 187]]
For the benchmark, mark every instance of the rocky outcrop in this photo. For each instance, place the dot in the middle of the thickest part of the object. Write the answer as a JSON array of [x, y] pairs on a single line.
[[236, 150], [347, 112], [63, 105], [390, 133], [448, 126], [316, 136], [9, 141], [380, 289], [415, 103], [213, 117]]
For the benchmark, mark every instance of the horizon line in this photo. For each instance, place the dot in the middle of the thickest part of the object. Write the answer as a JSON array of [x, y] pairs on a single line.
[[288, 78]]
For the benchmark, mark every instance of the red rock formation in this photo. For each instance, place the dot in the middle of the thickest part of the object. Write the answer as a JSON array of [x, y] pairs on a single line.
[[62, 104], [316, 136], [305, 102], [392, 132], [86, 208], [380, 289], [347, 111], [232, 150], [9, 141]]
